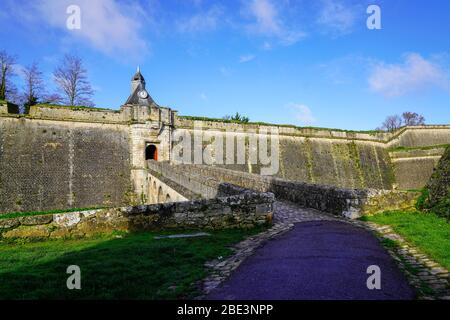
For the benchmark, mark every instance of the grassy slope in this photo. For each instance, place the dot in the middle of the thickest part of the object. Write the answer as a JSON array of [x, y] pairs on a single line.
[[42, 213], [195, 118], [428, 232], [419, 148], [133, 267]]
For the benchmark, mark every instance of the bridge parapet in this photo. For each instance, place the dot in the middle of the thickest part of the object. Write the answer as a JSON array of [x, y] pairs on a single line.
[[350, 203]]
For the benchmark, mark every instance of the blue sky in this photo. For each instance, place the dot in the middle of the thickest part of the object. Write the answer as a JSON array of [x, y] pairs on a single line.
[[305, 62]]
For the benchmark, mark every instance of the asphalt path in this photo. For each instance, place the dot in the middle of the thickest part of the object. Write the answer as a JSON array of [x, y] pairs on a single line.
[[321, 260]]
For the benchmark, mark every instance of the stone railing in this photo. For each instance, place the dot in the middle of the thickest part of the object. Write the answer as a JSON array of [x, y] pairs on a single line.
[[350, 203], [242, 209], [196, 182], [206, 180]]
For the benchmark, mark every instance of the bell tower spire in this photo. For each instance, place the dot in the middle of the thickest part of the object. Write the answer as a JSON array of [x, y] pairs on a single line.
[[139, 95], [137, 81]]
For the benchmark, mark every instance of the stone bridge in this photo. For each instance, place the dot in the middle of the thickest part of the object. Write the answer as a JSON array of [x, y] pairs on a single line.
[[178, 182], [161, 192]]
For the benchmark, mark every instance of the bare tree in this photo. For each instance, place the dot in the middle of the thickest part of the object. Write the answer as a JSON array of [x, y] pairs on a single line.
[[7, 88], [34, 86], [52, 98], [392, 123], [71, 78], [413, 119]]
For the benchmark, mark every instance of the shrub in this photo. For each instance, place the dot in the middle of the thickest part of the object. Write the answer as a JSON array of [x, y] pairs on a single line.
[[423, 202], [443, 207]]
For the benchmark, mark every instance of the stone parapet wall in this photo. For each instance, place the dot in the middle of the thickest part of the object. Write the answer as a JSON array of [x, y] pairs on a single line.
[[194, 181], [417, 153], [187, 123], [421, 136], [405, 136], [339, 162], [343, 159], [331, 199], [125, 115], [351, 203], [163, 190], [246, 209], [80, 114]]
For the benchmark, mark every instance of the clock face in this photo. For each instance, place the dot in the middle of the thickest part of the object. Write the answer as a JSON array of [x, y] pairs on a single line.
[[143, 94]]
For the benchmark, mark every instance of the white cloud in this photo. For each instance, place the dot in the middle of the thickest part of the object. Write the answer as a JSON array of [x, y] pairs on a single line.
[[203, 96], [268, 22], [266, 15], [203, 21], [415, 73], [336, 17], [302, 113], [109, 26], [246, 58]]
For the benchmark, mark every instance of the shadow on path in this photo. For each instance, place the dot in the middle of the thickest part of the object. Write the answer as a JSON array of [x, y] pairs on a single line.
[[319, 260]]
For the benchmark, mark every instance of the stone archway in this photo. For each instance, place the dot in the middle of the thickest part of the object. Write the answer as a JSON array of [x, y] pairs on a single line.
[[154, 193], [151, 152], [160, 195]]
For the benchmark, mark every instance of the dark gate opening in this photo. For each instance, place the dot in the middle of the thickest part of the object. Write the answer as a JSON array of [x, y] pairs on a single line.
[[151, 152]]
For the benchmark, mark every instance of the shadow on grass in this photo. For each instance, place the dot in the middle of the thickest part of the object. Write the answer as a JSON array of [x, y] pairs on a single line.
[[134, 267]]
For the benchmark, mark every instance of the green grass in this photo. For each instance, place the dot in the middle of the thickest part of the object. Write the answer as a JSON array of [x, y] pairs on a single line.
[[135, 266], [427, 231], [49, 105], [194, 118], [396, 149], [42, 213]]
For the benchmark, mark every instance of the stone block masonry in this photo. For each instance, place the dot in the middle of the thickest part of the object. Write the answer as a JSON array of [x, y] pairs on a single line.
[[351, 203], [242, 209], [46, 165], [340, 158], [325, 198], [72, 157]]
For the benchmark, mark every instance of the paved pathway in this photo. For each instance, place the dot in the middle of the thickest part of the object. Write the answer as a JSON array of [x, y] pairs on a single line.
[[319, 257]]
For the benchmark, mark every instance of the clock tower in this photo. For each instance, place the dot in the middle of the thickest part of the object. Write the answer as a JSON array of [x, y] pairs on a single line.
[[151, 128], [139, 95]]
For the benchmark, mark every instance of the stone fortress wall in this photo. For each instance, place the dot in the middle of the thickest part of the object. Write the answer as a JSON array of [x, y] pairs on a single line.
[[58, 158], [58, 164], [345, 159], [350, 203]]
